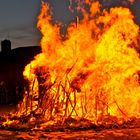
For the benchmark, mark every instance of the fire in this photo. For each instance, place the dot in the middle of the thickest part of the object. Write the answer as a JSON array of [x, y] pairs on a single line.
[[90, 73]]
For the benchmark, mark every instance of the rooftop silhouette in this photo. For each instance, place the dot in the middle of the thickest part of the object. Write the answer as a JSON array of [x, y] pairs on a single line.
[[12, 64]]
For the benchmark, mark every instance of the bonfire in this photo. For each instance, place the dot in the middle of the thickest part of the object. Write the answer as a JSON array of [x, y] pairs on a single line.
[[87, 78]]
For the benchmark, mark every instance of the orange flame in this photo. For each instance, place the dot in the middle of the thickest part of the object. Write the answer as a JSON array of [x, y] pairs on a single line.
[[92, 72]]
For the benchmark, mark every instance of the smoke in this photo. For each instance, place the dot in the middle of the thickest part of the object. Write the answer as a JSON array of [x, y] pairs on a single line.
[[76, 5], [108, 3]]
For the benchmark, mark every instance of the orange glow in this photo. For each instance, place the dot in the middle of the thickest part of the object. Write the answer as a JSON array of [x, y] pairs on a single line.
[[91, 73], [131, 1]]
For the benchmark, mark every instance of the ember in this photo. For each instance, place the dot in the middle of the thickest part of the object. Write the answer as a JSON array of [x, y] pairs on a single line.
[[90, 75]]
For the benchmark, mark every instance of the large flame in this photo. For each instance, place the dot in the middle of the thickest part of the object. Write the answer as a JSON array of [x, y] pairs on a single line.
[[90, 73]]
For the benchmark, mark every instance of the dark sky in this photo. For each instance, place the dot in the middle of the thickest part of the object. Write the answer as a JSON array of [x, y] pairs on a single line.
[[18, 18], [18, 21]]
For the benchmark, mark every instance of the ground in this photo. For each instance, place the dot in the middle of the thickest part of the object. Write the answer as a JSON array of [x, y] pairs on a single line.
[[123, 134], [108, 134]]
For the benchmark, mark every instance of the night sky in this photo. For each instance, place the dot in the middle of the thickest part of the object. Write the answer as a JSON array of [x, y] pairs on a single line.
[[18, 18]]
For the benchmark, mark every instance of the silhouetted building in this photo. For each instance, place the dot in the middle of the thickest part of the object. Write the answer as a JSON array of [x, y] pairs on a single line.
[[6, 46], [12, 65]]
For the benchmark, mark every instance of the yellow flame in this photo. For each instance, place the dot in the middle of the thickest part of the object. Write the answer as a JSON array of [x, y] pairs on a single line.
[[90, 73]]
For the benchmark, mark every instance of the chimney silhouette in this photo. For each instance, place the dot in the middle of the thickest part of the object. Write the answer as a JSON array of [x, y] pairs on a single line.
[[5, 46]]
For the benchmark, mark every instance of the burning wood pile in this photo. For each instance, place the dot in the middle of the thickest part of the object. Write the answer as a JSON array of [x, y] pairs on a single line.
[[88, 78]]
